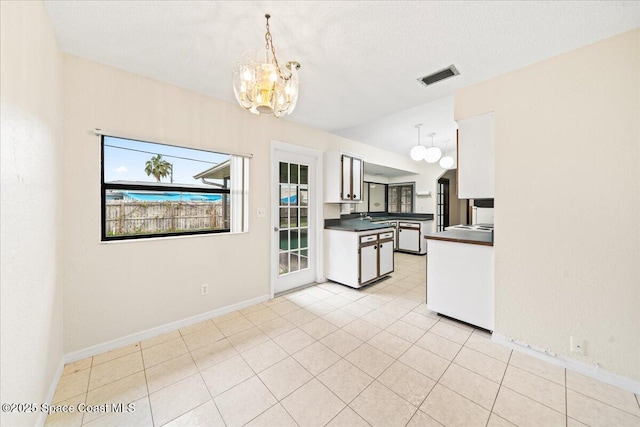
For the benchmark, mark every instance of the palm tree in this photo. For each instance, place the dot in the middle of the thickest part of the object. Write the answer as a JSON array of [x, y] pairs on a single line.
[[158, 168]]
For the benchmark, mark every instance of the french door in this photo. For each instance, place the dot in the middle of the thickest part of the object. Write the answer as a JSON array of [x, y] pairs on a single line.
[[293, 214]]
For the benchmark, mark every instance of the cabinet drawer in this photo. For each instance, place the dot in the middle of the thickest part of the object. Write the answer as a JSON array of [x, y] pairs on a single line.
[[366, 239], [408, 225], [388, 235]]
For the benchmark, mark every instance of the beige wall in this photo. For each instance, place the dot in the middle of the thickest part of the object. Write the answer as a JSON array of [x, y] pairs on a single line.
[[31, 291], [567, 201], [121, 288]]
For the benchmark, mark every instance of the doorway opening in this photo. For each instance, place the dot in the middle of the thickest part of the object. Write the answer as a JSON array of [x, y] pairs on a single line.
[[443, 204]]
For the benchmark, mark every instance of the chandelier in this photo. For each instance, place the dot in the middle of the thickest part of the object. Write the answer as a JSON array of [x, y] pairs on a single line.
[[261, 85]]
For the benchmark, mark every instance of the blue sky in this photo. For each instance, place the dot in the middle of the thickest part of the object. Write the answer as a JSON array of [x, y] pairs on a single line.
[[122, 163]]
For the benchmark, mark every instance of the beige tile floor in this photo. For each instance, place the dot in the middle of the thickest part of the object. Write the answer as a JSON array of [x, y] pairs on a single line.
[[331, 355]]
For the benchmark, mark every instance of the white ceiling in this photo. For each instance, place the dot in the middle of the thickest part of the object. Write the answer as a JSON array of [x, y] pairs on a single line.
[[360, 59]]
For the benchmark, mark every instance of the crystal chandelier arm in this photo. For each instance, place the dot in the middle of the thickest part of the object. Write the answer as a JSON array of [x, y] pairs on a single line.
[[269, 44]]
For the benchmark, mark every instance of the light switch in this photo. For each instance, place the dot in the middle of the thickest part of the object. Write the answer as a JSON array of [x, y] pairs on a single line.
[[262, 212]]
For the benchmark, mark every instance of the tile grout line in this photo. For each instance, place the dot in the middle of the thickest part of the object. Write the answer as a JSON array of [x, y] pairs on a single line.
[[278, 401], [443, 372], [566, 399], [146, 383], [205, 384], [399, 361], [604, 403], [374, 378], [86, 394], [499, 388]]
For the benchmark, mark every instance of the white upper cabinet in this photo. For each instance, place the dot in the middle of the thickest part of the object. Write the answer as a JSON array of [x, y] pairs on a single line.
[[476, 157], [343, 177]]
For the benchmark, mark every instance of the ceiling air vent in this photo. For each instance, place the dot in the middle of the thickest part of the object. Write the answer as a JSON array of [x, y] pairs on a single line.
[[450, 71]]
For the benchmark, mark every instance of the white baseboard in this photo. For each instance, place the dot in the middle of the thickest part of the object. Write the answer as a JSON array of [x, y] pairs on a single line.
[[158, 330], [583, 368], [42, 418]]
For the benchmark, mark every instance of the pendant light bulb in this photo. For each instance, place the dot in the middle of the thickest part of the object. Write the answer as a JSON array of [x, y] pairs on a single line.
[[446, 162], [418, 152], [432, 154]]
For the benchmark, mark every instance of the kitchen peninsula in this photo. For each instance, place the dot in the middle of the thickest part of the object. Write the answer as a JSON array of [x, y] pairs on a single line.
[[359, 250], [460, 276]]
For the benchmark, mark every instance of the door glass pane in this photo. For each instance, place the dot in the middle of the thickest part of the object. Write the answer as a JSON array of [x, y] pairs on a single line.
[[293, 177], [304, 197], [284, 240], [293, 217], [294, 239], [295, 262], [284, 217], [304, 217], [287, 194], [304, 174], [304, 262], [284, 173], [284, 262], [303, 238]]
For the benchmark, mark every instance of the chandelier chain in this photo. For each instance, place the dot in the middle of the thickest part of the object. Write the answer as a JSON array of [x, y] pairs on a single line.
[[269, 44]]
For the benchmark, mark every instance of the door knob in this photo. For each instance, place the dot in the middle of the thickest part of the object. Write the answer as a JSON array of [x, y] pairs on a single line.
[[275, 228]]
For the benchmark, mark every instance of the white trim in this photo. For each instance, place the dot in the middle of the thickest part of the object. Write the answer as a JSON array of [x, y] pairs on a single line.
[[42, 418], [158, 330], [100, 132], [589, 370], [319, 202]]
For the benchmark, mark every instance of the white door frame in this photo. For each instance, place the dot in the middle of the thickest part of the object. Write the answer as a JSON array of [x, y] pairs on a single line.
[[319, 208]]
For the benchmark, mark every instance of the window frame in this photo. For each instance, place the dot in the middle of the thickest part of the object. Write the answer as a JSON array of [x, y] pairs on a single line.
[[398, 206], [143, 187]]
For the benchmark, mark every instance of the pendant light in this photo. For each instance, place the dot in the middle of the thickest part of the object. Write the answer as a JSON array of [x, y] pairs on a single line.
[[262, 85], [432, 154], [447, 161], [418, 152]]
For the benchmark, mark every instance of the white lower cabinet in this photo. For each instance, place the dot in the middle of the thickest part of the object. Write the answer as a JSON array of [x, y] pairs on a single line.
[[368, 263], [386, 257], [411, 236], [463, 293], [358, 258]]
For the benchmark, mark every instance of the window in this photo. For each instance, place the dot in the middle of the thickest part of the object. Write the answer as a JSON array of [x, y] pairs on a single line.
[[400, 198], [374, 198], [157, 190]]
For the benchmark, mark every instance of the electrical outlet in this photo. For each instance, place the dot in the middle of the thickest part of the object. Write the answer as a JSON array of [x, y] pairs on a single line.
[[578, 346], [204, 289]]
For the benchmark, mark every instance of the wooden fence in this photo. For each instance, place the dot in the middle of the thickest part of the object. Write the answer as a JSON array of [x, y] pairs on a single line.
[[136, 217]]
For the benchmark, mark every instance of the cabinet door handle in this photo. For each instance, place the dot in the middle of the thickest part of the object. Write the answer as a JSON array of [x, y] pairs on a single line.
[[375, 247], [355, 196], [348, 196], [399, 231], [380, 246]]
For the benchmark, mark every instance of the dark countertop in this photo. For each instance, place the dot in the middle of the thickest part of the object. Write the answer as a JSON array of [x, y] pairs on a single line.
[[352, 225], [392, 216], [463, 236]]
